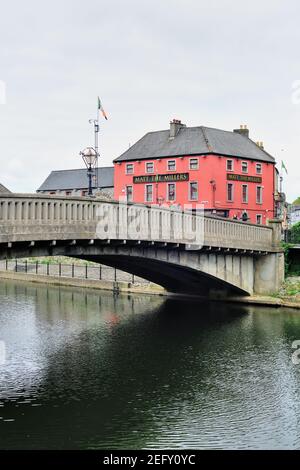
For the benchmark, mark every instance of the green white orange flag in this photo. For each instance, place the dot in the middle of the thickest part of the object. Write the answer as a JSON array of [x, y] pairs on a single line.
[[100, 107], [283, 167]]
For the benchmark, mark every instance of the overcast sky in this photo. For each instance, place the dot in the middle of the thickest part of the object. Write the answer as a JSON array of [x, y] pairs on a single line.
[[220, 63]]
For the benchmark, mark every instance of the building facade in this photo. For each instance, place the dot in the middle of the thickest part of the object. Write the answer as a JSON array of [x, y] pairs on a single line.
[[294, 214], [75, 183], [226, 172]]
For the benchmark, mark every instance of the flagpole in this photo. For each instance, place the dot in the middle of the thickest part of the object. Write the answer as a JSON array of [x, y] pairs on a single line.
[[97, 145], [96, 133]]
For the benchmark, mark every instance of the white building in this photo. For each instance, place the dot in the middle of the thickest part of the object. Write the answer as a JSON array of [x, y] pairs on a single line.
[[294, 215]]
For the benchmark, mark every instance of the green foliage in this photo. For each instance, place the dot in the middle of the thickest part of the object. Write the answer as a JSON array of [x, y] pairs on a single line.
[[287, 262], [297, 202], [290, 289], [295, 233]]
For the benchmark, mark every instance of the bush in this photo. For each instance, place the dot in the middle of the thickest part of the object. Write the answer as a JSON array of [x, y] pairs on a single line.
[[295, 233]]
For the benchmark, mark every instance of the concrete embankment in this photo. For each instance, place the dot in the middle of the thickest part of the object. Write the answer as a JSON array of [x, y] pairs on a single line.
[[264, 300], [135, 288], [119, 286]]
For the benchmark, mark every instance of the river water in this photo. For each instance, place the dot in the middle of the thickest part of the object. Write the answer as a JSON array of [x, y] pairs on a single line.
[[84, 369]]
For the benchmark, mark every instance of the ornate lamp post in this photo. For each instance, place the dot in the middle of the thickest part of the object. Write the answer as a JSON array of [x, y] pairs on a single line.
[[89, 156]]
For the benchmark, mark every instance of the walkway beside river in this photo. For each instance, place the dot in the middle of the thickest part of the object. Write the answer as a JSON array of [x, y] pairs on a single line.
[[77, 274], [78, 270]]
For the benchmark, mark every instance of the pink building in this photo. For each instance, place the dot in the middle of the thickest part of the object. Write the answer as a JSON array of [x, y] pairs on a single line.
[[227, 172]]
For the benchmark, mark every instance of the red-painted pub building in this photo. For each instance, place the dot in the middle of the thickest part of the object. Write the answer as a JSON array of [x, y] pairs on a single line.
[[227, 172]]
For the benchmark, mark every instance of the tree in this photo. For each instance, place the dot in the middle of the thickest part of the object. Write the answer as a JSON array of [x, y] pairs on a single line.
[[296, 202], [295, 233]]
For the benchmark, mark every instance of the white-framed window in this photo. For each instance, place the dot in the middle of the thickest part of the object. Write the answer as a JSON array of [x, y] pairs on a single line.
[[259, 195], [194, 163], [171, 192], [259, 219], [244, 167], [193, 191], [149, 167], [171, 165], [149, 193], [229, 165], [129, 168], [258, 168], [244, 193], [230, 194], [129, 193]]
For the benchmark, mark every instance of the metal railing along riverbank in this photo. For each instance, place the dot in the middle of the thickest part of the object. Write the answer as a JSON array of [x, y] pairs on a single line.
[[72, 270]]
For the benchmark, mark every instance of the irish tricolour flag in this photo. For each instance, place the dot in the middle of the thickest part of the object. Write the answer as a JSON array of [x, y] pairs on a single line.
[[100, 107]]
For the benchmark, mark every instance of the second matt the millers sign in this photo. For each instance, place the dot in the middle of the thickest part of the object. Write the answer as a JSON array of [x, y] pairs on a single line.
[[174, 177]]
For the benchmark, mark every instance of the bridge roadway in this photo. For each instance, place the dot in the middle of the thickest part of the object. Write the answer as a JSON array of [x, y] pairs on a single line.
[[183, 252]]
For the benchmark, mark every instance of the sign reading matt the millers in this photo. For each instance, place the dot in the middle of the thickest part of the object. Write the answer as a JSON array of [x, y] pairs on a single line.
[[174, 177], [244, 178]]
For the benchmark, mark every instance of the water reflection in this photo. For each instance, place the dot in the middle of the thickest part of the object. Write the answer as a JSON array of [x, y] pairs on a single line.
[[91, 370]]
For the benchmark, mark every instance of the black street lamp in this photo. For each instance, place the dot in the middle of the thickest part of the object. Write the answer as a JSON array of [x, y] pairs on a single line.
[[89, 156]]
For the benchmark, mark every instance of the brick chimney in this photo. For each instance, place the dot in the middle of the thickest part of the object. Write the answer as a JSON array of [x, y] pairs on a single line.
[[243, 130], [175, 127]]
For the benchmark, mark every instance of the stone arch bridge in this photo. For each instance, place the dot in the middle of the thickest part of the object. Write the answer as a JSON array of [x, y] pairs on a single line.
[[181, 251]]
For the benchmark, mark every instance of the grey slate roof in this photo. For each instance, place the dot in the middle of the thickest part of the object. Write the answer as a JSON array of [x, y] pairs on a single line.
[[76, 179], [195, 141], [3, 189]]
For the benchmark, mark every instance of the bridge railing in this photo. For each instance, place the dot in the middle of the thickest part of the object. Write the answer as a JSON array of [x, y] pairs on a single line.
[[32, 217]]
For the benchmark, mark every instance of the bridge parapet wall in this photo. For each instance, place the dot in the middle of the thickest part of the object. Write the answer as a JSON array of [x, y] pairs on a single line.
[[32, 217]]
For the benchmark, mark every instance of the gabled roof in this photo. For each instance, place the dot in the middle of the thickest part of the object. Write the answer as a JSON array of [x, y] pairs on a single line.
[[3, 189], [76, 179], [195, 141]]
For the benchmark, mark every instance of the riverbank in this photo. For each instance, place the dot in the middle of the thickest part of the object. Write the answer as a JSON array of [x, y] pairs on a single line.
[[289, 295], [115, 286]]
